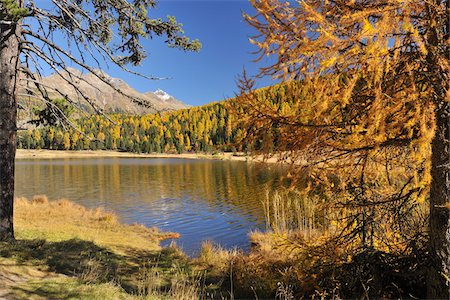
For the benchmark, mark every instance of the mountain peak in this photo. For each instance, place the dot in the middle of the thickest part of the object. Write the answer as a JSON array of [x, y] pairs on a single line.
[[107, 97], [162, 95]]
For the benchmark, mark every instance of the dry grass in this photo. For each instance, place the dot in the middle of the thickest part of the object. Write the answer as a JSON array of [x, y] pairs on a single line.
[[67, 288], [62, 219], [182, 286], [214, 255], [64, 250]]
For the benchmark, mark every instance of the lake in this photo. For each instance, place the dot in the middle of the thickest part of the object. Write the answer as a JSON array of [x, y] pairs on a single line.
[[202, 200]]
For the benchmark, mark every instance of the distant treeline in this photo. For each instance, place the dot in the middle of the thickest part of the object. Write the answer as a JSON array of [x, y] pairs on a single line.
[[199, 129]]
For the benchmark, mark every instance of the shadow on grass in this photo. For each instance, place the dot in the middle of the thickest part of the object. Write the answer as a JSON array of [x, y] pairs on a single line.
[[91, 263], [47, 290]]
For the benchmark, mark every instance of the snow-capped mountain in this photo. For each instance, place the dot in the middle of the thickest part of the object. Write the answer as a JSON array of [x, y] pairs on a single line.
[[106, 97], [162, 95]]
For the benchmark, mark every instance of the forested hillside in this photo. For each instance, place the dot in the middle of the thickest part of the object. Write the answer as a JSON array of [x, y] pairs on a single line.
[[217, 126], [207, 128]]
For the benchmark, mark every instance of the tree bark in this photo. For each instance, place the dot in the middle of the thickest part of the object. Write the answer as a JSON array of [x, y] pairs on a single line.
[[9, 60], [438, 276], [438, 273]]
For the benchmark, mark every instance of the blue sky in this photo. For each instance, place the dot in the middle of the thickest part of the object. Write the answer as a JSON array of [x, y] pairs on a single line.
[[207, 76], [199, 78]]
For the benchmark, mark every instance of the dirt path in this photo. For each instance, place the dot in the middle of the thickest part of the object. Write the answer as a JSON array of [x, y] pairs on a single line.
[[12, 274]]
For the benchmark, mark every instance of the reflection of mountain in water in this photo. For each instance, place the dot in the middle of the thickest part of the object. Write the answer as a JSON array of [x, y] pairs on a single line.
[[220, 196]]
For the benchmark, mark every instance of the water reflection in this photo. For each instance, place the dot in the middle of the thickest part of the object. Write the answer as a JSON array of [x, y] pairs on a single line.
[[201, 199]]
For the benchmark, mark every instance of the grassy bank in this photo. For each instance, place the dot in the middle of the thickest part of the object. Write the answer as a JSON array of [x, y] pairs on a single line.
[[64, 250]]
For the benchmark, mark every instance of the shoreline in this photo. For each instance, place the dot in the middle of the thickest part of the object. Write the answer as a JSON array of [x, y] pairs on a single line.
[[45, 154]]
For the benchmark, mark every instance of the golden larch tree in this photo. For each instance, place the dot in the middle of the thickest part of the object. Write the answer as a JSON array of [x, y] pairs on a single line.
[[364, 80]]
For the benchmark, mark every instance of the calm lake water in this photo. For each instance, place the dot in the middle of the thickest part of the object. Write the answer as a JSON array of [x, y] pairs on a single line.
[[201, 199]]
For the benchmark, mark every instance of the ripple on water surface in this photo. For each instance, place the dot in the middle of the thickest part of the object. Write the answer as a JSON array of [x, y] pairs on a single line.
[[201, 199]]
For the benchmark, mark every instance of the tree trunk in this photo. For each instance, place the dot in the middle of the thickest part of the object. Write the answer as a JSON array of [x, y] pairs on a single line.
[[438, 276], [9, 59], [438, 273]]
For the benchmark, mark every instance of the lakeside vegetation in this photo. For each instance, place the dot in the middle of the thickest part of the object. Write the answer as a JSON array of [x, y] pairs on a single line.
[[81, 253]]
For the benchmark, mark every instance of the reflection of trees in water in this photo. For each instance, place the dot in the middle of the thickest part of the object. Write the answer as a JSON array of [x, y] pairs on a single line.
[[236, 184]]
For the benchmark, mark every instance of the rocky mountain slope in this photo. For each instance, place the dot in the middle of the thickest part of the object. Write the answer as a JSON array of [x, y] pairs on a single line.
[[105, 96]]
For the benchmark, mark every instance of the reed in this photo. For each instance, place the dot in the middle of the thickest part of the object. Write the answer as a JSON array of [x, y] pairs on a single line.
[[182, 286], [288, 211]]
